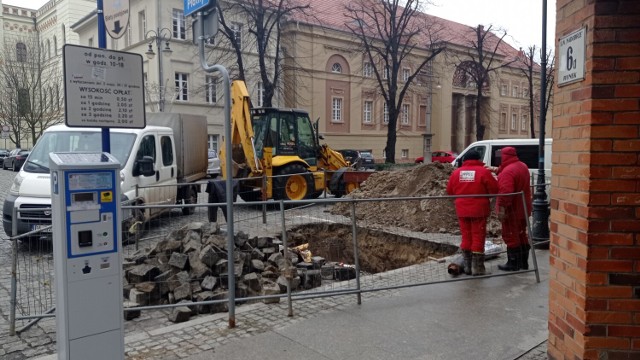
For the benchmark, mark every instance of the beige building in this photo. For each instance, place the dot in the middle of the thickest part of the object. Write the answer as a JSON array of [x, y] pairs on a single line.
[[175, 80], [328, 69], [42, 33], [325, 72]]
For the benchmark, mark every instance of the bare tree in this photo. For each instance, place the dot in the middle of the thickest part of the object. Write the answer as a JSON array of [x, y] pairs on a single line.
[[31, 93], [391, 35], [263, 21], [482, 59], [530, 73]]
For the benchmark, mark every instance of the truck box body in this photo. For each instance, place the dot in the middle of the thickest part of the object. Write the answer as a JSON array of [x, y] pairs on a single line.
[[190, 135]]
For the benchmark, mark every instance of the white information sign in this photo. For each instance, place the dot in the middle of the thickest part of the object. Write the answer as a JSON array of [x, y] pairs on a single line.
[[5, 135], [116, 17], [103, 88], [572, 57]]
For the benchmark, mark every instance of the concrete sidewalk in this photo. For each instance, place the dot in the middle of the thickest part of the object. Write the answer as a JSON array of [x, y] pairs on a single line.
[[492, 318], [482, 318]]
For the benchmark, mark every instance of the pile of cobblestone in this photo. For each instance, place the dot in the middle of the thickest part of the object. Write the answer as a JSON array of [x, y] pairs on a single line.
[[191, 266]]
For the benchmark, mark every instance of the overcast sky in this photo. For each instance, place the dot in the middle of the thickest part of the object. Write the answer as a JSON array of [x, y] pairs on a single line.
[[522, 19]]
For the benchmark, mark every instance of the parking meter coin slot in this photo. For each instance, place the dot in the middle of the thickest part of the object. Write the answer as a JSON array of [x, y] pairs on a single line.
[[85, 238]]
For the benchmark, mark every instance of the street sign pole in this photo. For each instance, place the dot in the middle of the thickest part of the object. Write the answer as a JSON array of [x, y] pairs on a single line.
[[102, 44]]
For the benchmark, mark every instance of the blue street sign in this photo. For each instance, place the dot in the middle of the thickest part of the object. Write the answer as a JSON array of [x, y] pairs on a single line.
[[191, 6]]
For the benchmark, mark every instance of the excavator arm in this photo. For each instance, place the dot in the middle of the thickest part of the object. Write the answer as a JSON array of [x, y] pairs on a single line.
[[242, 136]]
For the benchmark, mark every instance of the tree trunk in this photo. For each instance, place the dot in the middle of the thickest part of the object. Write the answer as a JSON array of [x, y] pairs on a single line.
[[479, 123], [390, 149]]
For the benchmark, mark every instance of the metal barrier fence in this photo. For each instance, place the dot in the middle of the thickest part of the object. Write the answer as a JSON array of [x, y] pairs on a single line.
[[283, 249]]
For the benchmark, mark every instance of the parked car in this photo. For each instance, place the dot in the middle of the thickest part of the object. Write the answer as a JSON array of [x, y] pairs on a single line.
[[439, 156], [213, 169], [15, 159], [3, 154], [359, 159]]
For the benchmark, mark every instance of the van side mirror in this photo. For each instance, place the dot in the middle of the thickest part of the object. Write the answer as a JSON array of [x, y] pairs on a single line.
[[144, 167]]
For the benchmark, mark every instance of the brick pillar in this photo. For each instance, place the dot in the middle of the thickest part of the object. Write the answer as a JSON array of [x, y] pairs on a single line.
[[594, 297]]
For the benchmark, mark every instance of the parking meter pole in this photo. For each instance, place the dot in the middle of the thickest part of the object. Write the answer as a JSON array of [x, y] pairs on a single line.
[[102, 44]]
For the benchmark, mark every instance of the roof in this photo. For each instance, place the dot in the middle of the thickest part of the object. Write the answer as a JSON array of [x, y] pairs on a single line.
[[333, 14]]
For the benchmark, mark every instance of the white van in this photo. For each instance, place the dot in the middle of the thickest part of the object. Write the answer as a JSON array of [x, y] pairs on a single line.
[[527, 150]]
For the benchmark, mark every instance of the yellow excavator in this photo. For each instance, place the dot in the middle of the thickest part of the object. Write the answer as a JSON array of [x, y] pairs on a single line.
[[277, 155]]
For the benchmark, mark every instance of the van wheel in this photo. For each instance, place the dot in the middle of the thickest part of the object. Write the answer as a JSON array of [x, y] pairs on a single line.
[[191, 199]]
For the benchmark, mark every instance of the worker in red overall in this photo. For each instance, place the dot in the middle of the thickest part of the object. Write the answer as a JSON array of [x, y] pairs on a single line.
[[514, 177], [470, 179]]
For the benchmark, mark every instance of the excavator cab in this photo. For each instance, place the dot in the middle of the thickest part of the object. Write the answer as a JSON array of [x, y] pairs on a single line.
[[288, 132]]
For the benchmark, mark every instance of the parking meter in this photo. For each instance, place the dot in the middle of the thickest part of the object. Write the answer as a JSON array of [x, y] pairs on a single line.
[[85, 206]]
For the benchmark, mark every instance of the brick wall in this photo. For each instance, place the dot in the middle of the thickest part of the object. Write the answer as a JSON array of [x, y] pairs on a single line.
[[594, 297]]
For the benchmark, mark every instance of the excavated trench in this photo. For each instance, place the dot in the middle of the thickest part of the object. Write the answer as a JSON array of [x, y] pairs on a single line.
[[379, 251]]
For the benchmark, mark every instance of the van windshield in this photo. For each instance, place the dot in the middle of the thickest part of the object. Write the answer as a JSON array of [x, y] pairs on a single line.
[[65, 141]]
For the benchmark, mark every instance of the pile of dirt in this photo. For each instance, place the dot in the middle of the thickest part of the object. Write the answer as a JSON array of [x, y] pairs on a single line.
[[426, 215]]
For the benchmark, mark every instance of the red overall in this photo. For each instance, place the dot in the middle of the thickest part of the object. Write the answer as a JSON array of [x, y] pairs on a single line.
[[469, 179], [513, 177]]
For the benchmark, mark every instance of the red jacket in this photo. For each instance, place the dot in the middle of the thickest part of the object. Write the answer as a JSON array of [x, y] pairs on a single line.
[[472, 178], [513, 177]]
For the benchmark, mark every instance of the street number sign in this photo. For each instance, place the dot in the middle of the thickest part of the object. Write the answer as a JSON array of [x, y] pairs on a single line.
[[116, 17], [572, 57], [103, 88]]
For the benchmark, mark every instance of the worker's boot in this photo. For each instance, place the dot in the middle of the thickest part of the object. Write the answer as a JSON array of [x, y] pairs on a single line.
[[477, 264], [466, 254], [513, 260], [524, 256]]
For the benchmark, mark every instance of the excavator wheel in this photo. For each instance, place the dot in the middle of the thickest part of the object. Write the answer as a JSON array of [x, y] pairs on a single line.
[[297, 186]]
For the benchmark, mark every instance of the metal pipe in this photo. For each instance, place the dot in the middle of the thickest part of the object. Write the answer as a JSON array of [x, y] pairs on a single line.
[[533, 251], [14, 284], [287, 259], [229, 162]]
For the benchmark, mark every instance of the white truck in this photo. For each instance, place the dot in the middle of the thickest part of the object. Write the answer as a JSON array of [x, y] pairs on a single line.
[[160, 164]]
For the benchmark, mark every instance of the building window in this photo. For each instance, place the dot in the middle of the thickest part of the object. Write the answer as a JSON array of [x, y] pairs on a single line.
[[503, 90], [213, 142], [210, 90], [503, 121], [525, 123], [179, 25], [145, 79], [55, 45], [385, 74], [405, 74], [182, 89], [366, 111], [236, 28], [514, 121], [21, 52], [336, 109], [525, 93], [385, 112], [142, 25], [127, 38], [48, 49], [367, 69], [336, 68], [514, 91], [260, 90], [90, 42], [405, 114], [404, 153]]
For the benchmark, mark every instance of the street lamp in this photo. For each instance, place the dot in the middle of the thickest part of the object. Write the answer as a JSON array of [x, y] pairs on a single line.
[[159, 35], [540, 213]]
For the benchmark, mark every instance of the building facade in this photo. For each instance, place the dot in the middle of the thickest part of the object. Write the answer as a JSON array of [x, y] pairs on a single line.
[[40, 34]]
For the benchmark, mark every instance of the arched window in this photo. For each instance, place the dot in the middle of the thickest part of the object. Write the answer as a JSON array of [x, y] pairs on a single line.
[[336, 68], [55, 45], [48, 49], [21, 52]]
